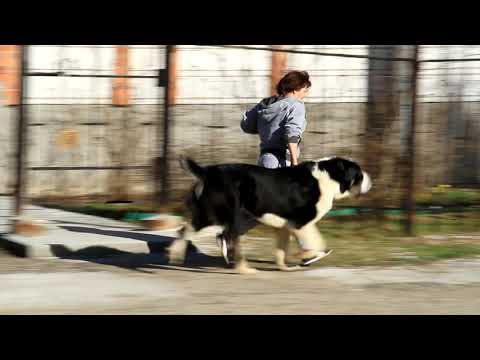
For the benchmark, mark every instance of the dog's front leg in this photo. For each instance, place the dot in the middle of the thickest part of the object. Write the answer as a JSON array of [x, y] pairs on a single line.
[[311, 239]]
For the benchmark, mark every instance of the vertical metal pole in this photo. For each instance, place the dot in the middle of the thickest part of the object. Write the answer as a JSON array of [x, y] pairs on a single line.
[[410, 204], [279, 64], [166, 127], [21, 132]]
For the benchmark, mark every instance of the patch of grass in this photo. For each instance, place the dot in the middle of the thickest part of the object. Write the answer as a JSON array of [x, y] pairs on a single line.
[[447, 196], [384, 244], [435, 252], [114, 211], [367, 242]]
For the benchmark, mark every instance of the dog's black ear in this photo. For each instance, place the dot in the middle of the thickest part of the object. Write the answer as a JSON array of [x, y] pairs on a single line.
[[347, 173], [344, 186], [353, 175], [341, 170]]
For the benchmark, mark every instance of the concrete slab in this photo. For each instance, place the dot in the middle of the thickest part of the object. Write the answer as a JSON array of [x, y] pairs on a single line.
[[62, 240], [78, 234]]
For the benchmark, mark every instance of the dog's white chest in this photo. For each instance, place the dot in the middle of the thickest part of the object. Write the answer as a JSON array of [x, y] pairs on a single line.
[[273, 220], [327, 189]]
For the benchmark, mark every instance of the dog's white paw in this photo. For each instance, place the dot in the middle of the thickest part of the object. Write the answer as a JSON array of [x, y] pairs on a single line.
[[245, 269], [288, 268]]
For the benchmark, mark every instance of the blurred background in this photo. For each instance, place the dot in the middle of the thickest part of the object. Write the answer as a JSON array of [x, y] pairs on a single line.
[[87, 126]]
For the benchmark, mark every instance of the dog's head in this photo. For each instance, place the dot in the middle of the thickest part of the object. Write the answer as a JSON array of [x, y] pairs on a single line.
[[352, 180]]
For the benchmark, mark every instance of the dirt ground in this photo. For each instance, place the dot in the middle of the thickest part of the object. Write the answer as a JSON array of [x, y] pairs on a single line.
[[146, 284]]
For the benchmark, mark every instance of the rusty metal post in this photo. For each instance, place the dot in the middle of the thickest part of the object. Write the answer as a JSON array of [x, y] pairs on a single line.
[[21, 132], [279, 64], [168, 100], [410, 200]]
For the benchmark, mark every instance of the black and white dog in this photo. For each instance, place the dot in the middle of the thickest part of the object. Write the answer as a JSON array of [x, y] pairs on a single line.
[[291, 199]]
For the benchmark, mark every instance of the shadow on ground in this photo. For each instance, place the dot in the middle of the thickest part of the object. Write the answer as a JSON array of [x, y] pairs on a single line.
[[195, 261]]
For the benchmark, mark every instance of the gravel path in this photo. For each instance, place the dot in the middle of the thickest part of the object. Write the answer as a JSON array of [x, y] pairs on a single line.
[[141, 284]]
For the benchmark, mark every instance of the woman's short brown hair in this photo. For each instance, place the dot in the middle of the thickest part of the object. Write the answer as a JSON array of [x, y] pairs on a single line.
[[293, 80]]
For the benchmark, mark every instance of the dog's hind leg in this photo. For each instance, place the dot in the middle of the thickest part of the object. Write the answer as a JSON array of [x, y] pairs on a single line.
[[241, 263], [178, 249], [243, 222]]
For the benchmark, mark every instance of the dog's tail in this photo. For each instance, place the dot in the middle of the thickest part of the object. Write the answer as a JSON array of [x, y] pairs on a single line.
[[192, 167]]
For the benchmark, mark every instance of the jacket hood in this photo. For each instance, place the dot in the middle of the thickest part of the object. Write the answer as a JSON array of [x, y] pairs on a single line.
[[272, 106]]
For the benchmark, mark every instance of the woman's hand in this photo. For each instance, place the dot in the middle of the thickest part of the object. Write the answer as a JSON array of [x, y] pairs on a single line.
[[293, 148]]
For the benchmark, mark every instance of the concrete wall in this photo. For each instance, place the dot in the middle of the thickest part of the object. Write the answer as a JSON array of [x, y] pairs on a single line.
[[108, 136]]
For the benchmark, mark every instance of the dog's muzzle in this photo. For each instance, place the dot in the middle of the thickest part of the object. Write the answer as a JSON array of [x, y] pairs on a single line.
[[366, 183]]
